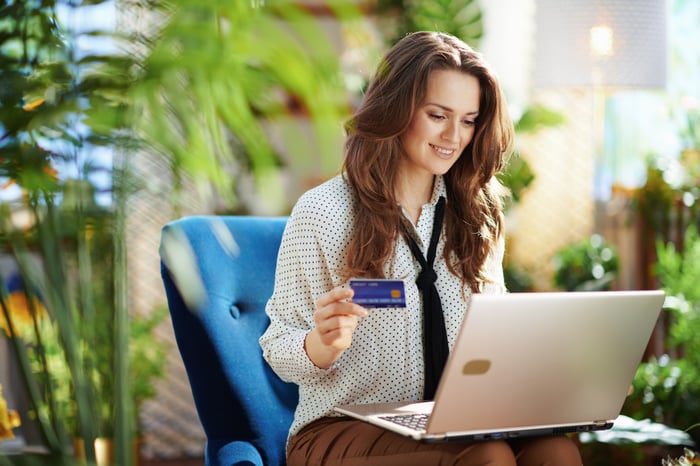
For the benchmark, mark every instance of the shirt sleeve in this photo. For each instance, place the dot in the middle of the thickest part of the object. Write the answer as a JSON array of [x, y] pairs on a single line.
[[309, 244]]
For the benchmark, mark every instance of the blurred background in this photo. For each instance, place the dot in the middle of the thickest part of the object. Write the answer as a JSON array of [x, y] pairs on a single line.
[[119, 116]]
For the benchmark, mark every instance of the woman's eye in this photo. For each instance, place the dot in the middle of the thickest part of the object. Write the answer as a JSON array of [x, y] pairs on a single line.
[[436, 116], [469, 122]]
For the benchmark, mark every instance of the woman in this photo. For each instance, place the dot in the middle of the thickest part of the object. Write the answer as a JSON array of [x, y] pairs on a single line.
[[420, 159]]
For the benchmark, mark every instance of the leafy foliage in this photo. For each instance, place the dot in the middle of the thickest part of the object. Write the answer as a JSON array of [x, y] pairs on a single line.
[[678, 271], [663, 392], [591, 264], [654, 201], [195, 87], [216, 75], [537, 117], [517, 177], [667, 388], [461, 18], [66, 252]]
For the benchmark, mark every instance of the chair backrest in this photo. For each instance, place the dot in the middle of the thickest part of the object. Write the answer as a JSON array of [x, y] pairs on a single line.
[[218, 273]]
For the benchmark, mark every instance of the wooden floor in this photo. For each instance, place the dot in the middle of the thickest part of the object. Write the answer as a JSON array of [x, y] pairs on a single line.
[[175, 462]]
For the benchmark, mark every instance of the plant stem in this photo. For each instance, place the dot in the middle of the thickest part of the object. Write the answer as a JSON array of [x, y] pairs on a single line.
[[124, 429]]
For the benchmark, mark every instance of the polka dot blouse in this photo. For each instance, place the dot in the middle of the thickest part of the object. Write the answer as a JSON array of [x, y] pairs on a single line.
[[385, 361]]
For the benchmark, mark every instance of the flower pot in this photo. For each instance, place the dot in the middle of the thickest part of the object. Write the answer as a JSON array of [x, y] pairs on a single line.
[[104, 451]]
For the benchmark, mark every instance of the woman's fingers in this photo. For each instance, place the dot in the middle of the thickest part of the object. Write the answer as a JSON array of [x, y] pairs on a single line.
[[337, 318], [333, 296]]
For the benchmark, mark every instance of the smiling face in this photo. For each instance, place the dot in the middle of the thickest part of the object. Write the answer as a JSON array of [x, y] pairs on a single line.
[[442, 126]]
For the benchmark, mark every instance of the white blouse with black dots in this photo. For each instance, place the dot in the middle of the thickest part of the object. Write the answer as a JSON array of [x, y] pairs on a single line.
[[385, 361]]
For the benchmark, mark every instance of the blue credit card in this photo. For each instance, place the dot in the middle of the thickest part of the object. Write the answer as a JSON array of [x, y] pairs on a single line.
[[378, 292]]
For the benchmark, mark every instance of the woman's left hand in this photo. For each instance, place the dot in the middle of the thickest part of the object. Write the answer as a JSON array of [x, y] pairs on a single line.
[[336, 319]]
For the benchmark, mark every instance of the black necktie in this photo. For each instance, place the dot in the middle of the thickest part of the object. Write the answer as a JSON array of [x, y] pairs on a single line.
[[434, 333]]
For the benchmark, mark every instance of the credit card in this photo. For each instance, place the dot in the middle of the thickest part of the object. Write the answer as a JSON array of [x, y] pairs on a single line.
[[379, 292]]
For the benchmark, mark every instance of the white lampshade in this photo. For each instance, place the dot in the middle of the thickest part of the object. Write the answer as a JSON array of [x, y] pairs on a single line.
[[608, 43]]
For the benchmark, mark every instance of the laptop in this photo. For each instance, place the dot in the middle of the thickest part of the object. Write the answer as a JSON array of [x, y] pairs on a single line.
[[531, 364]]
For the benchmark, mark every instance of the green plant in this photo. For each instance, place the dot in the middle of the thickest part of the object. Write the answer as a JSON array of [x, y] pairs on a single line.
[[517, 279], [654, 201], [591, 264], [667, 388], [461, 18], [678, 271], [49, 151], [662, 197], [145, 356], [517, 177], [663, 392], [217, 75], [195, 91]]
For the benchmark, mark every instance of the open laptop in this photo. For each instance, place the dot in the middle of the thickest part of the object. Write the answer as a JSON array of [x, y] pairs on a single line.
[[531, 364]]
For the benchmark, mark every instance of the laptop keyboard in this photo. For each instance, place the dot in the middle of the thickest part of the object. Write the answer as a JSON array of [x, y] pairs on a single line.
[[412, 421]]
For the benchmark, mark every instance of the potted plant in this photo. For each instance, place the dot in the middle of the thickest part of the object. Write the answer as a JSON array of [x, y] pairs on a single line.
[[146, 356], [167, 91]]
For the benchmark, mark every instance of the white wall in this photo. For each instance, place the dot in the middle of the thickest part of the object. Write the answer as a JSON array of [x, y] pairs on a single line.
[[508, 44]]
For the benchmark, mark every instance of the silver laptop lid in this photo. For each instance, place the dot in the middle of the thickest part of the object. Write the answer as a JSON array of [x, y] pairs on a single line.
[[544, 359]]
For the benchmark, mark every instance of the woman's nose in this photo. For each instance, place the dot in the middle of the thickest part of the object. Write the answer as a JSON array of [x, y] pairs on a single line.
[[451, 132]]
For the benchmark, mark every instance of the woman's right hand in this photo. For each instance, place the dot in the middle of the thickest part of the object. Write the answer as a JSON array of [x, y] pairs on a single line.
[[336, 319]]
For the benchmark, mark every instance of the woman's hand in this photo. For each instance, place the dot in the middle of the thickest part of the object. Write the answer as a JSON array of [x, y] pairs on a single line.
[[336, 318]]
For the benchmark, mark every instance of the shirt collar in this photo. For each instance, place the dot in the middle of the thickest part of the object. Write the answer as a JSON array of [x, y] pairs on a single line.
[[439, 189]]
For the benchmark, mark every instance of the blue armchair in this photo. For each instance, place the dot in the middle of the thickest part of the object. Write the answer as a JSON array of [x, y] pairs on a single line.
[[218, 272]]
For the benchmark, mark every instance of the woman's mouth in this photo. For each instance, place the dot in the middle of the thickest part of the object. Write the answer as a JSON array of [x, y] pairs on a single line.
[[443, 150]]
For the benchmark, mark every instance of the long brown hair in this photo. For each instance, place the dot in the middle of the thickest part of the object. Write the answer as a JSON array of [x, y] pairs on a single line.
[[473, 214]]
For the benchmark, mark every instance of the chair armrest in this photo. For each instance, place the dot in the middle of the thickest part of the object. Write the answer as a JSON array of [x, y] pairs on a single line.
[[234, 453]]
